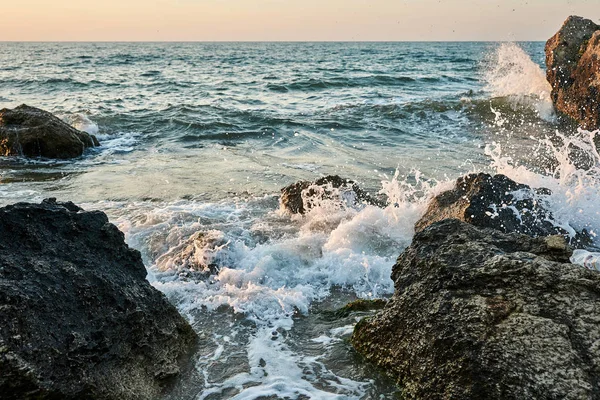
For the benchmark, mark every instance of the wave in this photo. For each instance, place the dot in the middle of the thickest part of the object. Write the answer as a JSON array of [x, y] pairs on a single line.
[[353, 82], [189, 123], [55, 82], [151, 73], [510, 73], [82, 122], [364, 81], [272, 268]]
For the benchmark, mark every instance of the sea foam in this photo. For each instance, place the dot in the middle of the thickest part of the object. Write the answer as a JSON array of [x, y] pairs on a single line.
[[272, 270]]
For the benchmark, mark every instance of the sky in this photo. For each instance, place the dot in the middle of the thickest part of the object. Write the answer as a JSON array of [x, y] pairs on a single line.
[[288, 20]]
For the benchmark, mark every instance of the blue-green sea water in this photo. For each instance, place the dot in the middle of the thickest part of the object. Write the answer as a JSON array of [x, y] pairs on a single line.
[[201, 137]]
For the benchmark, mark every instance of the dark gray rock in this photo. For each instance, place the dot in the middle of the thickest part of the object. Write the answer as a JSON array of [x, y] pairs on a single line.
[[300, 197], [79, 319], [573, 71], [31, 132], [480, 314], [495, 202]]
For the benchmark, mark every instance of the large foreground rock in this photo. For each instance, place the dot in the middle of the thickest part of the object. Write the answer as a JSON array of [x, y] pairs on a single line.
[[300, 197], [573, 70], [496, 202], [31, 132], [480, 314], [79, 319]]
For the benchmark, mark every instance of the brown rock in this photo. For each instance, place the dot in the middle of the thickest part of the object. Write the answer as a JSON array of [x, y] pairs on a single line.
[[300, 197], [500, 203], [573, 70], [31, 132], [491, 202], [481, 314]]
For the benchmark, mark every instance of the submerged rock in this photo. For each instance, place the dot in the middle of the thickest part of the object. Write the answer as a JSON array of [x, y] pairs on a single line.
[[300, 197], [31, 132], [480, 314], [79, 319], [573, 70], [492, 202], [198, 256]]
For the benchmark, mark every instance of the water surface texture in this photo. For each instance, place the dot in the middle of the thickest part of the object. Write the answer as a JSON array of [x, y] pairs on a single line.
[[200, 137]]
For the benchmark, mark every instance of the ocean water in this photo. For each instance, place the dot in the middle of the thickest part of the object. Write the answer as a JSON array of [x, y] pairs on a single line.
[[198, 138]]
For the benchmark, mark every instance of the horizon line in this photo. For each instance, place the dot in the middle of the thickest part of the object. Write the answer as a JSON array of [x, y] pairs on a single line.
[[270, 41]]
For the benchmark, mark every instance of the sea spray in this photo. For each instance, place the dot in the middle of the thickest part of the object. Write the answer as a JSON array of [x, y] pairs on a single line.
[[273, 270], [82, 122], [189, 153], [509, 72], [573, 177]]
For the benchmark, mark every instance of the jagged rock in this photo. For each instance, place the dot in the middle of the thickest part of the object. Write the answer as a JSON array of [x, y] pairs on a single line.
[[492, 202], [480, 314], [31, 132], [573, 70], [300, 197], [79, 319]]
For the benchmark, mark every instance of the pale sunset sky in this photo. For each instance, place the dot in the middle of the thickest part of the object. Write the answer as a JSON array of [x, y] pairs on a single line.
[[287, 20]]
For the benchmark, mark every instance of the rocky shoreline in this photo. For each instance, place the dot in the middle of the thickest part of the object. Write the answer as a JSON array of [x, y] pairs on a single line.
[[486, 302], [478, 313]]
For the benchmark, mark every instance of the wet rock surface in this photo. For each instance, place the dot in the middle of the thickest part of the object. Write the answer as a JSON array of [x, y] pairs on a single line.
[[79, 319], [300, 197], [479, 314], [573, 70], [492, 202], [31, 132]]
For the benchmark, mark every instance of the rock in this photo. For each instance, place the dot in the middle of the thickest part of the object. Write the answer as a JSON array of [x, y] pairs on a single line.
[[201, 255], [31, 132], [300, 197], [360, 305], [573, 70], [481, 314], [492, 202], [79, 319]]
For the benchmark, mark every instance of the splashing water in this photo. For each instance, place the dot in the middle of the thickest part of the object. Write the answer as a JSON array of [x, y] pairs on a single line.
[[574, 178], [510, 72], [82, 122], [253, 280], [272, 269]]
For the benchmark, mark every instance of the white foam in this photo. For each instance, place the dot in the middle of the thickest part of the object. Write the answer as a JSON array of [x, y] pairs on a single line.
[[10, 194], [284, 374], [83, 123], [575, 189], [122, 142], [273, 268], [510, 72]]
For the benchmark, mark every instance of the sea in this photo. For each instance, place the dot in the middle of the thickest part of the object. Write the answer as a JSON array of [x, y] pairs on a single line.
[[197, 139]]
